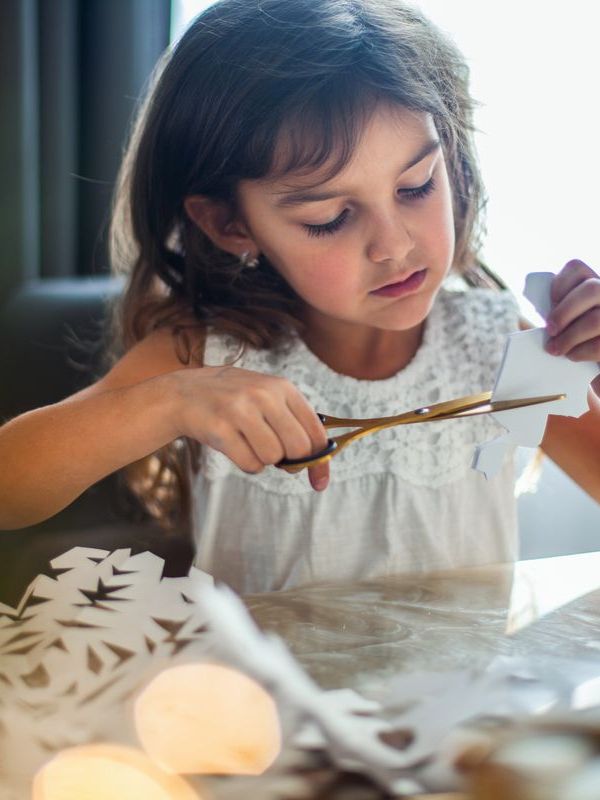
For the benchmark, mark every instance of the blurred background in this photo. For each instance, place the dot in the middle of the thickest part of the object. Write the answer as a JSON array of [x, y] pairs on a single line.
[[71, 72]]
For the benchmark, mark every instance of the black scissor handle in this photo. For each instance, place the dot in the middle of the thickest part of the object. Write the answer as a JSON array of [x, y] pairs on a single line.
[[290, 462]]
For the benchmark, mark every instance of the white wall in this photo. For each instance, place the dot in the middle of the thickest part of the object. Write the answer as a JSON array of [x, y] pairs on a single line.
[[559, 518], [534, 66]]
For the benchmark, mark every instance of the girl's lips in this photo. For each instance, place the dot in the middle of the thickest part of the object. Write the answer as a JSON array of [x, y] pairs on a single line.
[[407, 286]]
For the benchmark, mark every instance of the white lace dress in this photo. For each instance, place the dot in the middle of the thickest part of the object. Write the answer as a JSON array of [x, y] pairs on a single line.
[[403, 500]]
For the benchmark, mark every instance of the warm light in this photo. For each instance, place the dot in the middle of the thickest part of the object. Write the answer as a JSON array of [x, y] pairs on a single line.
[[208, 719], [107, 772]]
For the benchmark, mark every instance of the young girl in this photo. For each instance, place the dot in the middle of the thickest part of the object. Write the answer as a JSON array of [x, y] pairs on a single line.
[[299, 193]]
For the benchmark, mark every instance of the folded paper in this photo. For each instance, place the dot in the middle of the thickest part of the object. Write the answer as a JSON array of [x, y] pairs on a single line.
[[527, 370]]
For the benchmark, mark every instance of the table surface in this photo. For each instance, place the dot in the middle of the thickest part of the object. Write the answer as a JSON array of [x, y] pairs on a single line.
[[359, 635]]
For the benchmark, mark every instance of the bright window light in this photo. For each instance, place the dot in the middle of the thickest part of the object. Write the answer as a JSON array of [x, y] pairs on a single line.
[[534, 68], [183, 12]]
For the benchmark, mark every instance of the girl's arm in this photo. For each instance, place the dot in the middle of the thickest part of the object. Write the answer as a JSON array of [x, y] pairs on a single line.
[[49, 456], [574, 444], [52, 454]]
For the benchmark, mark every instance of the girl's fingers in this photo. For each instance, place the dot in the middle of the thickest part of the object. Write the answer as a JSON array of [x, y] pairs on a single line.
[[263, 436], [319, 476], [587, 351], [262, 420], [293, 440], [309, 421], [581, 336], [583, 297], [237, 448], [594, 395], [277, 430], [572, 274]]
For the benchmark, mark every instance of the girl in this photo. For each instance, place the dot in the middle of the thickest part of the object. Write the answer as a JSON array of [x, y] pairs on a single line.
[[299, 192]]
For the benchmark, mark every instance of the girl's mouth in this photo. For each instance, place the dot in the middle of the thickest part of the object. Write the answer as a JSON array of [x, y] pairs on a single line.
[[407, 286]]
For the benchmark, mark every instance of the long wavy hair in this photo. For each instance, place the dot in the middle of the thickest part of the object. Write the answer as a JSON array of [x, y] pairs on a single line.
[[245, 76]]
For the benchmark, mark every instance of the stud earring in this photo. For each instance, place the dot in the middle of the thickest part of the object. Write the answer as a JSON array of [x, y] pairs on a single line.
[[247, 261]]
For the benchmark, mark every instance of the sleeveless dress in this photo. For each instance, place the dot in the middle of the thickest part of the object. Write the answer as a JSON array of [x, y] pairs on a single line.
[[402, 500]]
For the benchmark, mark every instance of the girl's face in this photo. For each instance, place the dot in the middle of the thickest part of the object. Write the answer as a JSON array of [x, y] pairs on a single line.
[[372, 245]]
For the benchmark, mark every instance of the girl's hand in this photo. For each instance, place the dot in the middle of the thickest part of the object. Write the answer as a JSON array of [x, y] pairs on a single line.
[[574, 322], [254, 419]]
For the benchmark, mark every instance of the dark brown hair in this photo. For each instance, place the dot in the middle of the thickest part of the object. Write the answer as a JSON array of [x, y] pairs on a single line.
[[245, 74]]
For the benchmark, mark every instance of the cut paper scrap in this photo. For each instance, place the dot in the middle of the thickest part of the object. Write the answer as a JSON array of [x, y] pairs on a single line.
[[527, 370], [445, 710]]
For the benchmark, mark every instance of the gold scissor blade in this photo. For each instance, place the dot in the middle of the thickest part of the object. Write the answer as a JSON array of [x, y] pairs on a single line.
[[418, 415], [504, 405]]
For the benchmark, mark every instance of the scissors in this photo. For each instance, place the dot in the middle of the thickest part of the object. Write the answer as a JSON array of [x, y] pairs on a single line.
[[450, 409]]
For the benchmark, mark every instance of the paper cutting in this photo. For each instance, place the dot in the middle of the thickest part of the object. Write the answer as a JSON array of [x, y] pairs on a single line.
[[527, 370]]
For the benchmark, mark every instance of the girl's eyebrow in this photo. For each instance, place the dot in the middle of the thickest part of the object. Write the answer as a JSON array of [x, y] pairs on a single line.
[[296, 197]]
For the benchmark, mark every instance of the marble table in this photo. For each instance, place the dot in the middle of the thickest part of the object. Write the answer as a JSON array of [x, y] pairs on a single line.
[[357, 635]]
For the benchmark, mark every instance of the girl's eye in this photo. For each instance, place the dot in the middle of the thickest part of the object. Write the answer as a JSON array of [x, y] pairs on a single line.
[[328, 227], [331, 227], [420, 191]]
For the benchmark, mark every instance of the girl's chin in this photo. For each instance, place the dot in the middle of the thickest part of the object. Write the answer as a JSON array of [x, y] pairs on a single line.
[[407, 314], [402, 314]]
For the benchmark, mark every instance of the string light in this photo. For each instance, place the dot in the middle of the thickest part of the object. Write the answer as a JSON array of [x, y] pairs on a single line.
[[206, 718]]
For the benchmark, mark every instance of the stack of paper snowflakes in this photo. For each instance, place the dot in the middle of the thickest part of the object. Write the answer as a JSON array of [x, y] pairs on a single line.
[[81, 644]]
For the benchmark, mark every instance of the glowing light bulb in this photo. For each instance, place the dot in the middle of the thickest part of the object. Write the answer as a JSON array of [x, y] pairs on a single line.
[[107, 772], [208, 719]]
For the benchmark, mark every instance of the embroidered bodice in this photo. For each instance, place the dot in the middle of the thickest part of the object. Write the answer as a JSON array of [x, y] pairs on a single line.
[[459, 355]]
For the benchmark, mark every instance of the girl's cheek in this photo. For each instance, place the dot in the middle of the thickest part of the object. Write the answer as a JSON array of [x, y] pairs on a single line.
[[446, 238], [318, 269], [439, 222], [333, 272]]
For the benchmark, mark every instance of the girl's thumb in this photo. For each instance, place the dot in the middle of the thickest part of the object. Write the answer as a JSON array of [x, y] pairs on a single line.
[[319, 476]]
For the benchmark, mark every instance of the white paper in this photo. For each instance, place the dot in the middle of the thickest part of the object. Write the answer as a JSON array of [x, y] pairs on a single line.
[[527, 370]]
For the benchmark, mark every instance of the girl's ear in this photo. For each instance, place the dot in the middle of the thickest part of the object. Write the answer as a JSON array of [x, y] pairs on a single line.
[[217, 220]]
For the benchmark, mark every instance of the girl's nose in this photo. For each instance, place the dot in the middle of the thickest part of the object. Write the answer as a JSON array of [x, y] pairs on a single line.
[[390, 241]]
